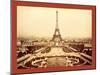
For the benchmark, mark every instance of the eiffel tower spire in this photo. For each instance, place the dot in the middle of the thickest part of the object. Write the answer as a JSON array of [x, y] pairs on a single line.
[[57, 20], [56, 36]]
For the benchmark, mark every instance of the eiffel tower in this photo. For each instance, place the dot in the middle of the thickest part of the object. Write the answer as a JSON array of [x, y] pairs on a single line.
[[57, 36]]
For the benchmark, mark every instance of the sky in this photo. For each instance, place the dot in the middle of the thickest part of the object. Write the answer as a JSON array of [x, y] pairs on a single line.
[[41, 22]]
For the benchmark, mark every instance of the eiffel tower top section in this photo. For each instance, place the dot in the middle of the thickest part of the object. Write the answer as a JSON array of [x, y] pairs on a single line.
[[57, 20]]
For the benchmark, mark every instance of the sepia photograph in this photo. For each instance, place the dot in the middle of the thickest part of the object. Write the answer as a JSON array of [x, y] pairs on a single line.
[[53, 37]]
